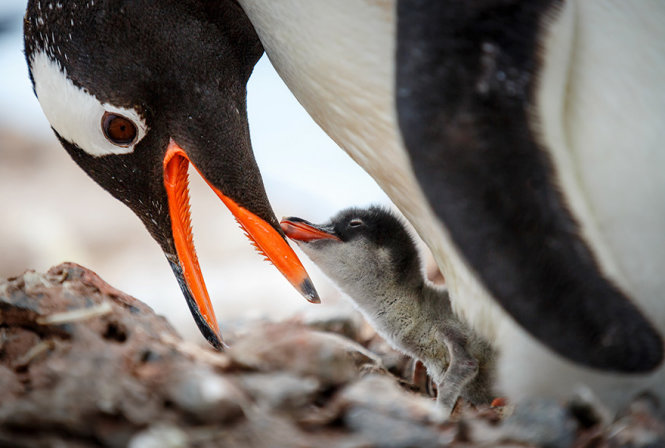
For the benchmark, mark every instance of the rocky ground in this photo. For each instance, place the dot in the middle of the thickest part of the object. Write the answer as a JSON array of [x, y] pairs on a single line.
[[83, 364]]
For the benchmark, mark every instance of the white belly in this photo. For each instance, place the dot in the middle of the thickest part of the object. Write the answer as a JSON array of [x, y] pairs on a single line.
[[602, 107], [616, 123], [337, 58]]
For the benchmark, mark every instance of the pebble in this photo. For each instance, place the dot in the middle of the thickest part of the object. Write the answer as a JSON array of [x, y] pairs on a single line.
[[281, 391], [207, 396], [160, 436], [542, 423]]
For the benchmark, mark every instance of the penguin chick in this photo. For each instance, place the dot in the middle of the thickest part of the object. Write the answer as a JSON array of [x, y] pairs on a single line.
[[371, 256]]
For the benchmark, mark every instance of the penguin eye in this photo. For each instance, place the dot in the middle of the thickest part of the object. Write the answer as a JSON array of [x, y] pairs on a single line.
[[355, 223], [118, 130]]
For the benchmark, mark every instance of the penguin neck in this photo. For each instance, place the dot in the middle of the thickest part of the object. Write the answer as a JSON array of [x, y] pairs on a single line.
[[337, 58]]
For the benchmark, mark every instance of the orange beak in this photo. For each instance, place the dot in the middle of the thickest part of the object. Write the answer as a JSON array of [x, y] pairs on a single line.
[[267, 240], [301, 230]]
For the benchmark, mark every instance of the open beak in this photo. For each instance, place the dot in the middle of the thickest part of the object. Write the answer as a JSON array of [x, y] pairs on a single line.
[[300, 230], [267, 240]]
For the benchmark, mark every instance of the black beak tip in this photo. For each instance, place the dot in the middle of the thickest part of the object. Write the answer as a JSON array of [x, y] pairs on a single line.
[[213, 339], [212, 335], [308, 290]]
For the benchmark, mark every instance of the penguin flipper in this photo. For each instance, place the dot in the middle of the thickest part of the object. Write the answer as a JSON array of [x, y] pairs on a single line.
[[466, 77]]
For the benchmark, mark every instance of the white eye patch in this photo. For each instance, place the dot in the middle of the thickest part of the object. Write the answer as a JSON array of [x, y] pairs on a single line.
[[76, 114]]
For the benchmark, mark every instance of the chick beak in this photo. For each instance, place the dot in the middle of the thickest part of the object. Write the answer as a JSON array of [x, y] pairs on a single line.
[[300, 230]]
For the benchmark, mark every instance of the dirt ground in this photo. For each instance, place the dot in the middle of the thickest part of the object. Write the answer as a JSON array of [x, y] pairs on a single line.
[[83, 364]]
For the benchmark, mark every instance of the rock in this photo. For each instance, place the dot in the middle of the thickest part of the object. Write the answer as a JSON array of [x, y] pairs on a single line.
[[390, 432], [207, 396], [382, 395], [379, 412], [542, 423], [281, 391], [83, 359], [342, 318], [386, 415], [639, 427], [160, 436], [330, 358]]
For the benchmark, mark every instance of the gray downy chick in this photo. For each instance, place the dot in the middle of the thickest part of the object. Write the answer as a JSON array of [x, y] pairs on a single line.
[[372, 257]]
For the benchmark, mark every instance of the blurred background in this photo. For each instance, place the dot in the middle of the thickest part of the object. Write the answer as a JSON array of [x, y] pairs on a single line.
[[52, 212]]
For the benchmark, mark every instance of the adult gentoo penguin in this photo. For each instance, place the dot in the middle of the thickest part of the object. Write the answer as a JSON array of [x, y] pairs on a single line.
[[135, 91], [573, 205]]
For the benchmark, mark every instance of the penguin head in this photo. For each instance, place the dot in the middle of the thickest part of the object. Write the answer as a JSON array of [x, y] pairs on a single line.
[[369, 245], [136, 91]]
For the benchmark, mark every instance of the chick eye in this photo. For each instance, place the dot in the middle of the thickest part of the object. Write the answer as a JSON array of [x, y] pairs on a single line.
[[118, 130], [355, 223]]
